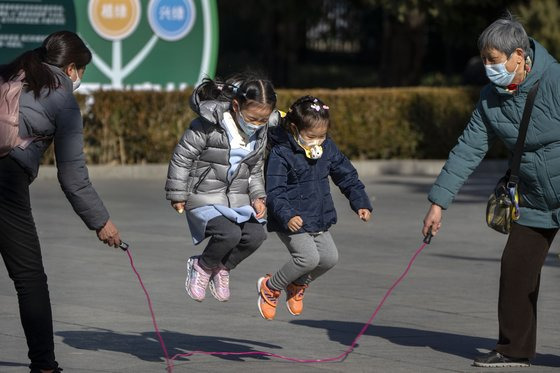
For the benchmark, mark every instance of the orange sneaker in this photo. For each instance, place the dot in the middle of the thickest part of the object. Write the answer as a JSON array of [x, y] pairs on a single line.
[[268, 299], [294, 298]]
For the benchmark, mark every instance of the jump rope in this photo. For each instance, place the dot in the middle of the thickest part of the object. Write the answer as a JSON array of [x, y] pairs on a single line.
[[169, 360]]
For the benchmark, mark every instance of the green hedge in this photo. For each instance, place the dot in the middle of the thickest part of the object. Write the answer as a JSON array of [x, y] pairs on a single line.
[[375, 123]]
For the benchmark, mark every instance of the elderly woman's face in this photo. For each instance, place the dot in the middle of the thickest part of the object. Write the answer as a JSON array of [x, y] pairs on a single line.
[[493, 56]]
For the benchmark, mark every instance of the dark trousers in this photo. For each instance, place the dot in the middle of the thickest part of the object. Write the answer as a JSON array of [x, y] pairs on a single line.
[[20, 249], [522, 261], [231, 243]]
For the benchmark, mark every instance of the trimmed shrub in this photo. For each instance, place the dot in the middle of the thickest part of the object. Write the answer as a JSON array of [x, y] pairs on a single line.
[[367, 123], [383, 123]]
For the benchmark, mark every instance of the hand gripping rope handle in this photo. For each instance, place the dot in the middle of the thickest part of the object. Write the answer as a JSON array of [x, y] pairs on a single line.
[[428, 239], [169, 360]]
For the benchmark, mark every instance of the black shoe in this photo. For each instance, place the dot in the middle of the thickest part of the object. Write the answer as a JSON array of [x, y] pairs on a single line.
[[494, 359], [55, 370]]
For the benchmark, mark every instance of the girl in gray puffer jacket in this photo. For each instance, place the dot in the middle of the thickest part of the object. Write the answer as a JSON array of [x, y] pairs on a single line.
[[215, 174]]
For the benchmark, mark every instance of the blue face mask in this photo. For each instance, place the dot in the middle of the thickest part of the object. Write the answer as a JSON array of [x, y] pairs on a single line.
[[248, 128], [498, 74]]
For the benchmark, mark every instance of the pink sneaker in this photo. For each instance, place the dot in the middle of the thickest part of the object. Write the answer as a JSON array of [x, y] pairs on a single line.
[[219, 283], [197, 279]]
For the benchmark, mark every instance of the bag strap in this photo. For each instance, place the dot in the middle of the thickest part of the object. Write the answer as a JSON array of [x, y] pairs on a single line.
[[516, 162]]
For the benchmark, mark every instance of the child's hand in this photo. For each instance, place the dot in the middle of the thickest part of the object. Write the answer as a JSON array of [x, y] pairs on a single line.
[[295, 223], [260, 207], [364, 214], [179, 206]]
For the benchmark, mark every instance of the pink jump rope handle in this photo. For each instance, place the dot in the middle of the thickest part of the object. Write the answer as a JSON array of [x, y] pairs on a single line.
[[123, 246]]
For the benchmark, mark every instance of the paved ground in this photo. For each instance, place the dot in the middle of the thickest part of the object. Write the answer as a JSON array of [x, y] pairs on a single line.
[[442, 315]]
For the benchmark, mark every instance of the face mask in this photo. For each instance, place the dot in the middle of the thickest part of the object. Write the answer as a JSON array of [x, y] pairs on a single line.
[[76, 83], [498, 74], [248, 128], [313, 149]]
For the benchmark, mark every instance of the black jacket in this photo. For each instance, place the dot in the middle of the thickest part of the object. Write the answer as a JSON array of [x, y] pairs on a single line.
[[296, 185]]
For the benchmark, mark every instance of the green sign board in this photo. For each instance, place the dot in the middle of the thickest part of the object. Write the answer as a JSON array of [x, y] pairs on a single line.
[[148, 44], [25, 24]]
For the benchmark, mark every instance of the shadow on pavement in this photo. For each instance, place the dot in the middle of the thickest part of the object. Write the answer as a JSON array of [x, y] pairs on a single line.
[[145, 346], [454, 344], [476, 189], [12, 364], [552, 259]]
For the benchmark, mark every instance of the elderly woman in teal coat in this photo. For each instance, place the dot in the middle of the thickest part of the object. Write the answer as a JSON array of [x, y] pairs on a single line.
[[514, 63]]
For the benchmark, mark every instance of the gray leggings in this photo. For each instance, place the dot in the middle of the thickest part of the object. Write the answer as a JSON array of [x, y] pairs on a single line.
[[312, 255]]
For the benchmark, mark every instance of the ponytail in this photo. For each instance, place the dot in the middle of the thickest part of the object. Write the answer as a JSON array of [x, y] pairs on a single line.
[[210, 90], [59, 49], [37, 74], [244, 88]]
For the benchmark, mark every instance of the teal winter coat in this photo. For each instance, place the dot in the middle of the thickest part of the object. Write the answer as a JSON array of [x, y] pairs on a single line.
[[497, 116]]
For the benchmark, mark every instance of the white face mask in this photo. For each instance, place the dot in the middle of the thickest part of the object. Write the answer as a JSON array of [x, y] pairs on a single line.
[[498, 74], [313, 148], [76, 83]]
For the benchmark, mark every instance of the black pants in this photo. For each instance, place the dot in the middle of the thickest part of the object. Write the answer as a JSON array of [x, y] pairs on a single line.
[[231, 243], [522, 261], [20, 249]]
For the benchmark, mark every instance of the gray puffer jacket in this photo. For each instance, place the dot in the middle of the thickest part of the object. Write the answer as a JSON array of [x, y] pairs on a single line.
[[199, 167], [56, 116]]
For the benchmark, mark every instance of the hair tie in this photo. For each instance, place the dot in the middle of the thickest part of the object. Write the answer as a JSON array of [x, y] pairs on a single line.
[[41, 52], [317, 107], [235, 88], [238, 92]]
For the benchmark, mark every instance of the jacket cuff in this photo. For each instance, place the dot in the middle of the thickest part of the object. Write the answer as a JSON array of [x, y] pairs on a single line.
[[362, 203], [440, 196], [285, 218], [94, 224], [257, 195], [176, 196]]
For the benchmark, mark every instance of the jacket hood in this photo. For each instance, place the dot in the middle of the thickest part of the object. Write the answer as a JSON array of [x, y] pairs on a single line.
[[213, 110], [541, 60], [62, 80], [278, 135]]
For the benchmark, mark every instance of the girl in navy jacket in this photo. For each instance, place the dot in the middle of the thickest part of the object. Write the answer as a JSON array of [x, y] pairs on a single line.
[[299, 202]]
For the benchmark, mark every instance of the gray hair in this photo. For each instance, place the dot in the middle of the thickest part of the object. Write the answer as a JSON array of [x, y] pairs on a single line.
[[506, 35]]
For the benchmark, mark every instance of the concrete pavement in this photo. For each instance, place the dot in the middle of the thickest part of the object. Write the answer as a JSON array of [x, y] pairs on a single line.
[[437, 320], [366, 168]]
